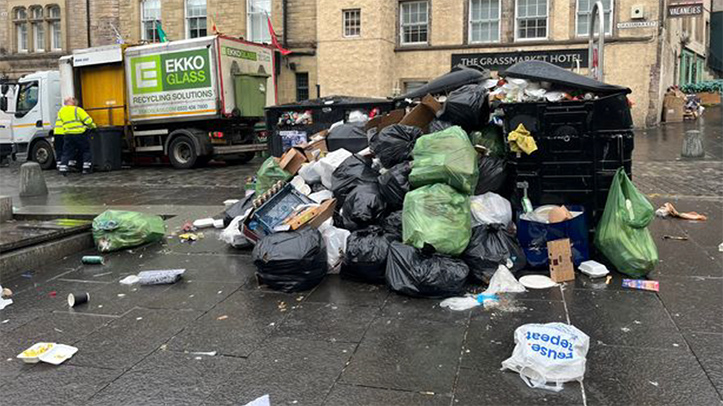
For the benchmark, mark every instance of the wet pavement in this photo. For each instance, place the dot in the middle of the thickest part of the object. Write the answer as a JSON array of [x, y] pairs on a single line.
[[345, 343]]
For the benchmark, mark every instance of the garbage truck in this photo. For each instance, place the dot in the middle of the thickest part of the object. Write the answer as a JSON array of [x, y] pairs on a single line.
[[189, 101]]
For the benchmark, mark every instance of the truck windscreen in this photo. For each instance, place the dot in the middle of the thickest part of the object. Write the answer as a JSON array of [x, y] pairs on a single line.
[[27, 98]]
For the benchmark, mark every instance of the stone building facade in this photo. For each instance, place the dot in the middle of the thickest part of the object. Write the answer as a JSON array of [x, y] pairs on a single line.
[[381, 48]]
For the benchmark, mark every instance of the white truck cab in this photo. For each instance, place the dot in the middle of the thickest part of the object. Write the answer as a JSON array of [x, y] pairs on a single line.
[[32, 107]]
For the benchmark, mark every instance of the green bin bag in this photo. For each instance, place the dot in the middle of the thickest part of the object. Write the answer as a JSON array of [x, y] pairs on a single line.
[[269, 173], [622, 234], [114, 229], [437, 215], [447, 157], [491, 137]]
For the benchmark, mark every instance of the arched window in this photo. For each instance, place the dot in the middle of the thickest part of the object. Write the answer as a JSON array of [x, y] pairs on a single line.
[[20, 18], [195, 18], [150, 13], [38, 24], [53, 18]]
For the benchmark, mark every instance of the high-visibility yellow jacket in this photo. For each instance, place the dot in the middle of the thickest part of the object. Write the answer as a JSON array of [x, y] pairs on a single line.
[[72, 120]]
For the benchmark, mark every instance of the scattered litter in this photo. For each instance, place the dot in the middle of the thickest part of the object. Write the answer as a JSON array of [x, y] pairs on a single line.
[[625, 329], [198, 358], [262, 401], [653, 383], [204, 223], [102, 274], [121, 295], [53, 294], [675, 237], [504, 281], [282, 306], [6, 293], [51, 353], [5, 303], [224, 317], [641, 284], [4, 321], [188, 237], [92, 260], [58, 330], [160, 277], [139, 318], [164, 347], [720, 247], [427, 393], [219, 292], [608, 279], [76, 299], [668, 210], [300, 298], [130, 280], [209, 353], [593, 269], [537, 282], [5, 300], [218, 223], [470, 301], [27, 275], [533, 357], [676, 345]]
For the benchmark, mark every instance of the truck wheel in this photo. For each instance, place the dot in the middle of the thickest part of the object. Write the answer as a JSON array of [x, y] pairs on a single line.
[[240, 159], [182, 152], [42, 153]]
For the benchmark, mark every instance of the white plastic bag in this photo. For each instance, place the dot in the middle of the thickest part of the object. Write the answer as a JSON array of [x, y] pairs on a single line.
[[504, 281], [321, 195], [329, 163], [232, 234], [309, 173], [490, 208], [547, 354], [335, 241]]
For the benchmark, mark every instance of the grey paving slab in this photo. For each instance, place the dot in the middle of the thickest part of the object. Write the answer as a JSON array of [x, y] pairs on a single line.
[[490, 386], [696, 261], [168, 378], [407, 354], [115, 299], [405, 307], [212, 268], [250, 317], [194, 294], [490, 337], [694, 303], [627, 318], [47, 384], [290, 371], [348, 395], [327, 321], [334, 289], [626, 376], [535, 294], [708, 349], [130, 338]]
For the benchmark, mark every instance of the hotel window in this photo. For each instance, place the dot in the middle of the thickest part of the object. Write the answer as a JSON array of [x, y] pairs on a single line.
[[195, 18], [258, 12], [414, 22], [302, 86], [38, 24], [531, 19], [352, 22], [20, 17], [584, 8], [150, 13], [484, 21], [53, 13]]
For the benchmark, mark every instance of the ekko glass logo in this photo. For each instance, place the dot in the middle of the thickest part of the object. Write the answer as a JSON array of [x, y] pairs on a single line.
[[172, 71]]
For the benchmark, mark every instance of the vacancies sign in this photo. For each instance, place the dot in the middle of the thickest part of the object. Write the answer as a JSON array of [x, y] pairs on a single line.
[[565, 58], [171, 84], [686, 9]]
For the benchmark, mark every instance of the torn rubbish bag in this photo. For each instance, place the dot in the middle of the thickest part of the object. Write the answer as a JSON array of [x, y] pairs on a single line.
[[622, 234], [268, 174], [439, 216], [445, 157], [115, 229], [394, 185], [548, 355], [467, 107], [366, 256], [394, 143], [238, 209], [291, 261], [491, 246], [413, 273], [354, 171], [364, 206], [490, 208], [492, 175], [392, 225]]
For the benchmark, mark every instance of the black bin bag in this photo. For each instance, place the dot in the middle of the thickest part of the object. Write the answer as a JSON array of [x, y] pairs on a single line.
[[467, 107], [492, 175], [394, 185], [365, 259], [413, 273], [291, 261], [238, 209], [354, 171], [392, 226], [490, 246], [352, 137], [394, 143], [363, 206]]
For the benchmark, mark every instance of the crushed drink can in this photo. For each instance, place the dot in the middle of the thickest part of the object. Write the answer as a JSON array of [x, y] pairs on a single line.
[[160, 277], [92, 259]]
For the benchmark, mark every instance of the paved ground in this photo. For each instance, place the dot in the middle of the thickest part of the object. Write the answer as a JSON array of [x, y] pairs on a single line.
[[345, 343]]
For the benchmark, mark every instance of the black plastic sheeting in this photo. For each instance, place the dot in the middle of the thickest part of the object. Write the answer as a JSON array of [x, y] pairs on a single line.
[[467, 107], [291, 261], [413, 273], [392, 226], [354, 171], [459, 76], [540, 71], [490, 246], [238, 209], [365, 259], [351, 137], [363, 206], [394, 185], [394, 143], [438, 125]]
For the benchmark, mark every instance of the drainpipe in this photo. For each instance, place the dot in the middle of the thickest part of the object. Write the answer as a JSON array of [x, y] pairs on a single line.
[[284, 8], [87, 19]]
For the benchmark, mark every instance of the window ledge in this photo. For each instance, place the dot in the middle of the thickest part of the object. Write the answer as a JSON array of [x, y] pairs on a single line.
[[517, 44]]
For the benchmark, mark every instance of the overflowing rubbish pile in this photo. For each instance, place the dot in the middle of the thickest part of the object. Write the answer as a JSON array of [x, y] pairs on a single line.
[[455, 188]]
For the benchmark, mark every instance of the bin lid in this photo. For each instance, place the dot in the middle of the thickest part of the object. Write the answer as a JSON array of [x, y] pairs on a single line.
[[458, 77], [547, 72]]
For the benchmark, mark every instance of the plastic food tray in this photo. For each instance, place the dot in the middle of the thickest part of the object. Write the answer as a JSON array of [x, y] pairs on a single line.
[[280, 206]]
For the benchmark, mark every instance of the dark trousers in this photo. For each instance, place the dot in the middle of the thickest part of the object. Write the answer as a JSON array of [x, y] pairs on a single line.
[[73, 145]]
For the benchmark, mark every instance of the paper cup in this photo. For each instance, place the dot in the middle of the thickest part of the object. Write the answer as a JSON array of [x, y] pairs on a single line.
[[75, 299]]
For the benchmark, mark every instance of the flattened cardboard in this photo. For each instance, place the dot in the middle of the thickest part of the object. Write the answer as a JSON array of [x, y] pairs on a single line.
[[379, 122], [423, 113], [312, 217], [560, 255], [292, 160], [709, 98], [673, 107]]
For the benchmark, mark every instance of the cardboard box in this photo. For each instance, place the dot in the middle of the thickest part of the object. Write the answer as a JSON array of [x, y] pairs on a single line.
[[423, 113], [560, 255], [673, 108], [316, 148], [292, 160], [312, 217], [709, 98], [379, 122]]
